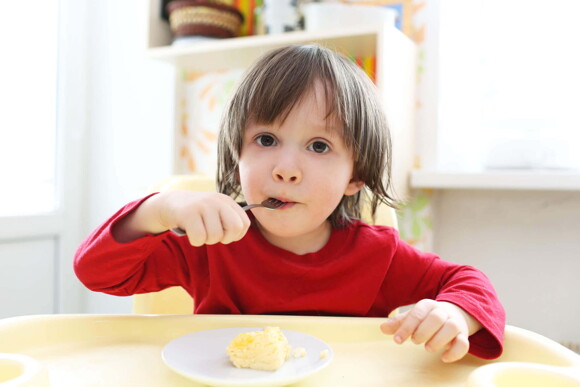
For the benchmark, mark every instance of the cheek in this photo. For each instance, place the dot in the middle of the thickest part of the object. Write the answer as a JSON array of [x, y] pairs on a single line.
[[334, 177], [250, 179], [331, 187]]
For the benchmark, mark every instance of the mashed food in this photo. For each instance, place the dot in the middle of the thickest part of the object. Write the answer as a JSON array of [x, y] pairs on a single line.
[[262, 350]]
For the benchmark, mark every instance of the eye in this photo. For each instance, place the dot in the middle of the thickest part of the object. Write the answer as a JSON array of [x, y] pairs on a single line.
[[265, 140], [319, 147]]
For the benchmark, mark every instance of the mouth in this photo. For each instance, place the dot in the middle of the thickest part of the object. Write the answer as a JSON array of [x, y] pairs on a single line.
[[287, 203]]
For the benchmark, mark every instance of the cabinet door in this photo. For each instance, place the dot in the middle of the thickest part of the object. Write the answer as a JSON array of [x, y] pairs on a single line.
[[27, 277]]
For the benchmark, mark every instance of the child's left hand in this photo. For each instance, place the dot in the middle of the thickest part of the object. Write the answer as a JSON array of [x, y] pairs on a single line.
[[437, 324]]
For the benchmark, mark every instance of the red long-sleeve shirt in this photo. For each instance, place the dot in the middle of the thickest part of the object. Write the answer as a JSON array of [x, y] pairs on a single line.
[[363, 270]]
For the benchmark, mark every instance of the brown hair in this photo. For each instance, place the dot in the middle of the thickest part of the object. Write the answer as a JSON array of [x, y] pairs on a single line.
[[276, 83]]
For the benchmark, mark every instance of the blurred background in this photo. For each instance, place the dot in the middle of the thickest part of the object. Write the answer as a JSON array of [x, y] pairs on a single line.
[[101, 99]]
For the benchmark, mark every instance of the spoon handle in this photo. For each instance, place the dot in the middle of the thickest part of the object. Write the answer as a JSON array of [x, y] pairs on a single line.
[[250, 206]]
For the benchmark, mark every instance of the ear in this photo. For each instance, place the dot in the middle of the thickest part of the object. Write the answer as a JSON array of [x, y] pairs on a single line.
[[353, 187]]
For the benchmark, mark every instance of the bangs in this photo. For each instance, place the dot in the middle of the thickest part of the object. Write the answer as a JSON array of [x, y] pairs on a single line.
[[282, 84]]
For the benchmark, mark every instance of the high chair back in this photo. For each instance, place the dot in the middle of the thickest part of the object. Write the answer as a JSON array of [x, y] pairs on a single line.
[[176, 300]]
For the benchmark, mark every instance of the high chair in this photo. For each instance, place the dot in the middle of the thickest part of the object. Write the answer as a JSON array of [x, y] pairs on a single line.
[[176, 300]]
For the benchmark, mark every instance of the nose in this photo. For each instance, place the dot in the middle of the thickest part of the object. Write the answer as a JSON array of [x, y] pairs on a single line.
[[287, 168]]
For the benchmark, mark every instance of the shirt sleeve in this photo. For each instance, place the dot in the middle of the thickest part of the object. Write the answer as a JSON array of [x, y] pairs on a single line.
[[147, 264], [415, 275]]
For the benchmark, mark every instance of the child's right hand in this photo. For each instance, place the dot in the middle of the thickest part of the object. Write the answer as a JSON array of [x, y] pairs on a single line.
[[207, 217]]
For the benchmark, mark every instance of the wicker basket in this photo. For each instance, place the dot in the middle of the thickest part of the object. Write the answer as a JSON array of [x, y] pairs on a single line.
[[204, 18]]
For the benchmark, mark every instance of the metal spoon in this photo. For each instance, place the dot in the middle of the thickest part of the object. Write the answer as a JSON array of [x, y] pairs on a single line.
[[270, 203]]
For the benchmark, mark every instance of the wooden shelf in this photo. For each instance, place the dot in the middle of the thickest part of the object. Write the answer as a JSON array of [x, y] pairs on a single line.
[[499, 180]]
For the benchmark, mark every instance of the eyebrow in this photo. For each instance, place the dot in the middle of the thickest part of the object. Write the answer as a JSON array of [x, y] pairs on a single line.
[[328, 128]]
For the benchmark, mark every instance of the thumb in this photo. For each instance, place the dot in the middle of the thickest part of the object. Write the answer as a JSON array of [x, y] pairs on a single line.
[[391, 325]]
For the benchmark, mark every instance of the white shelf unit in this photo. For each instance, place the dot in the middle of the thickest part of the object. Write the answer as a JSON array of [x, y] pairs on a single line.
[[395, 69], [499, 180], [242, 51]]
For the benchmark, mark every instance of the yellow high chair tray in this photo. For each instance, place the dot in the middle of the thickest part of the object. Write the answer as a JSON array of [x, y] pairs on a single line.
[[125, 350]]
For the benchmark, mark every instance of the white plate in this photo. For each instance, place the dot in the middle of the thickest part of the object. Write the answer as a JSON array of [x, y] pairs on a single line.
[[201, 356]]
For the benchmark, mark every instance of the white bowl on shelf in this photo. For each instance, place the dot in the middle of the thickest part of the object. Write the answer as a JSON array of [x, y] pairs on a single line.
[[189, 40], [322, 16]]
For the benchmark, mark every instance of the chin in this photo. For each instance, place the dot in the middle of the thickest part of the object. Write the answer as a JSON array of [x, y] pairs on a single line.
[[289, 229]]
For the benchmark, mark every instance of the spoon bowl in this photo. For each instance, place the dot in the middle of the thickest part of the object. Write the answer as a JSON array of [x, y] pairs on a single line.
[[270, 203]]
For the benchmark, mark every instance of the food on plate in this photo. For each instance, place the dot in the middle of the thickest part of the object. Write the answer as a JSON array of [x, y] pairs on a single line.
[[299, 352], [265, 350], [324, 353]]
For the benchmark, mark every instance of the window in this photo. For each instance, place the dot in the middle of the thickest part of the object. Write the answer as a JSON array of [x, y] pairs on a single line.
[[509, 84], [28, 135]]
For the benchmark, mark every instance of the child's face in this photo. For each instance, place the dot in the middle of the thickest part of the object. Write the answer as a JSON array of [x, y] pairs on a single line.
[[302, 161]]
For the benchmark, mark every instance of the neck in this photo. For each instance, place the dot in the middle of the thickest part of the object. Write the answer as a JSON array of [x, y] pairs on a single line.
[[306, 243]]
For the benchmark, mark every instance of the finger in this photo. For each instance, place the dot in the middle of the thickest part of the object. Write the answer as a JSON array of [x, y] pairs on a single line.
[[444, 336], [458, 349], [196, 231], [391, 325], [246, 222], [232, 225], [213, 227], [430, 325], [242, 216], [412, 320]]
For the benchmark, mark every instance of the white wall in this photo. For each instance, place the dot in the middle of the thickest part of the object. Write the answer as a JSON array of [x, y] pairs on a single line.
[[130, 119], [527, 243]]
